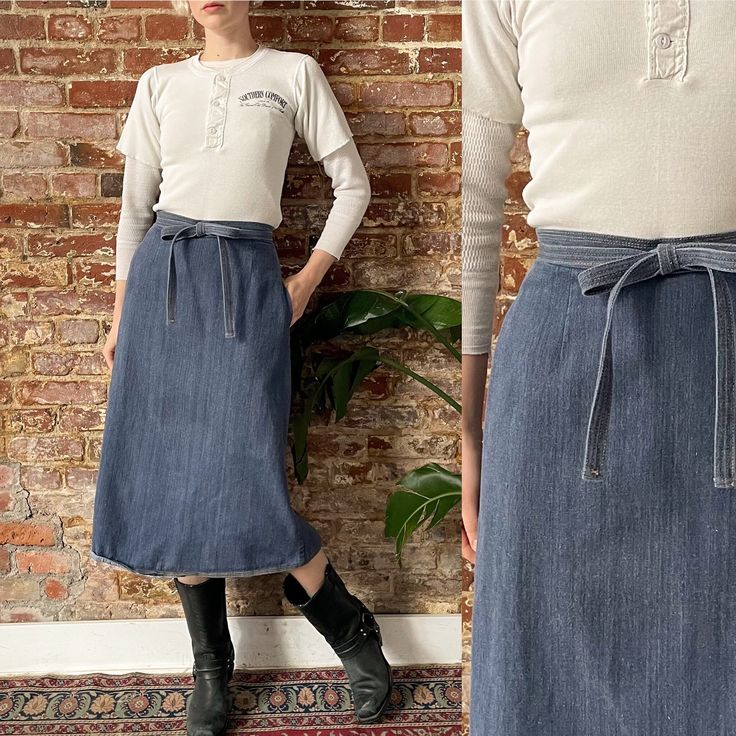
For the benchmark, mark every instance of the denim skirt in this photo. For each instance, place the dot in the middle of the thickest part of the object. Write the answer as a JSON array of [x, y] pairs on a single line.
[[605, 580], [192, 474]]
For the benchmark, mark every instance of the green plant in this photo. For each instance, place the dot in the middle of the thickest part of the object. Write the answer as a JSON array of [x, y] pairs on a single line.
[[327, 383]]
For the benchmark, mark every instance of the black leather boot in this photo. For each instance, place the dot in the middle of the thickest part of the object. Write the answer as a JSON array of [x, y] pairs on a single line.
[[214, 656], [353, 633]]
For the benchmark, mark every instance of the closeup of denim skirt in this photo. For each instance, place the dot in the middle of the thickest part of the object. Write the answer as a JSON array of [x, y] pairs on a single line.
[[605, 580], [192, 474]]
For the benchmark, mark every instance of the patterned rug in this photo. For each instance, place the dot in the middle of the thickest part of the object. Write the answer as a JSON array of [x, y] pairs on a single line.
[[426, 701]]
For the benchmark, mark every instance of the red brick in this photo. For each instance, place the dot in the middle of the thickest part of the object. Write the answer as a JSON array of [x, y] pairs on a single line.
[[43, 562], [7, 500], [7, 61], [388, 184], [267, 29], [119, 28], [55, 589], [4, 559], [309, 27], [77, 184], [32, 215], [356, 28], [377, 123], [407, 94], [29, 93], [438, 183], [25, 186], [440, 60], [436, 124], [92, 126], [31, 154], [21, 27], [69, 27], [444, 27], [60, 392], [64, 62], [27, 533], [365, 61], [404, 154], [403, 28], [166, 27]]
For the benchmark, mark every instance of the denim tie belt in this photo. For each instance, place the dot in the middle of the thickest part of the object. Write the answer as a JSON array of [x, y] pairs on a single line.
[[175, 226], [612, 262]]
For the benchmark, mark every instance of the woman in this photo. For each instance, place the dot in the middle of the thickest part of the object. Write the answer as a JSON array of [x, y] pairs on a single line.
[[192, 481], [598, 494]]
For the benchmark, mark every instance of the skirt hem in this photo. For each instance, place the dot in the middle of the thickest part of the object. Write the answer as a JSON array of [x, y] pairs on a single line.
[[301, 560]]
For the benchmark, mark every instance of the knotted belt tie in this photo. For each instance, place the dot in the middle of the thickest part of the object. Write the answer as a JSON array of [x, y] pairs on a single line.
[[612, 268], [197, 229]]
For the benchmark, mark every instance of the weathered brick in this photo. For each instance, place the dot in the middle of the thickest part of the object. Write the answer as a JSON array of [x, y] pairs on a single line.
[[407, 94], [309, 27], [356, 28], [21, 26], [365, 61], [165, 27], [27, 533], [63, 27], [403, 28], [48, 561]]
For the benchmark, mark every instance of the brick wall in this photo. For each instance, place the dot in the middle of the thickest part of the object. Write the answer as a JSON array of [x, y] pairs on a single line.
[[67, 75]]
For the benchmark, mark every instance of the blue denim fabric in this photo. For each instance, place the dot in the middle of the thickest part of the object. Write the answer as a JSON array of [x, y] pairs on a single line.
[[605, 604], [192, 476]]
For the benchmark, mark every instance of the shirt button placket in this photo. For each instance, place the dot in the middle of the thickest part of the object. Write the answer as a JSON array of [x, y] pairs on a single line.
[[216, 110], [667, 28]]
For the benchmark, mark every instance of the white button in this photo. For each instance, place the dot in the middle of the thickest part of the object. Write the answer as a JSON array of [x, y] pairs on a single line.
[[217, 103], [220, 78], [663, 40], [213, 130]]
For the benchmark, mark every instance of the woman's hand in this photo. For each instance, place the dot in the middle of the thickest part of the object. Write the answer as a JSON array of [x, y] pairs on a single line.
[[474, 371], [300, 291], [108, 351], [302, 284], [472, 453]]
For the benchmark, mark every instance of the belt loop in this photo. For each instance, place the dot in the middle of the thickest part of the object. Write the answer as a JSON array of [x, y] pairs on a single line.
[[227, 298], [667, 258]]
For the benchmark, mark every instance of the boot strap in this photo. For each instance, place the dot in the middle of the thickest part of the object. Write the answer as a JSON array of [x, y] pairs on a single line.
[[368, 626], [217, 666]]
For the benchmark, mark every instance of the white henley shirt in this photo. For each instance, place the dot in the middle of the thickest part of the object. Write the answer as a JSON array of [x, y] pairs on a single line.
[[629, 106], [246, 112]]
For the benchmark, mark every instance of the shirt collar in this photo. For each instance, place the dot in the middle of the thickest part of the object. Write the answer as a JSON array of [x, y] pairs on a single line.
[[238, 65]]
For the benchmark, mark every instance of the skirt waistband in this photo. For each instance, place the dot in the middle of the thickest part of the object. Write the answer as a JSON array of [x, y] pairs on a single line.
[[244, 228], [175, 227], [612, 262]]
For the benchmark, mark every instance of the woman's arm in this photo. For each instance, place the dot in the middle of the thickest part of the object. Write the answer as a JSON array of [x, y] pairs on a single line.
[[141, 184], [491, 116], [486, 163], [352, 192]]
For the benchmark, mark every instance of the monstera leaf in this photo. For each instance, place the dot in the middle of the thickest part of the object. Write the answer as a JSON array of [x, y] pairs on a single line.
[[431, 491], [333, 380], [335, 383]]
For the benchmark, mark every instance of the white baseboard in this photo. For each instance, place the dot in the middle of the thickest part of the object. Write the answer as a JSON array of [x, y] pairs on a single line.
[[163, 645]]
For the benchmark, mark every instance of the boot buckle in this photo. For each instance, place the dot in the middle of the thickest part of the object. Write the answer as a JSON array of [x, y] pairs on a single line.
[[368, 625]]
